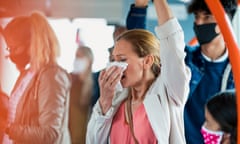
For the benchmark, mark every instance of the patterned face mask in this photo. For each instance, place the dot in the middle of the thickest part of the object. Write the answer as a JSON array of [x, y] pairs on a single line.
[[211, 137]]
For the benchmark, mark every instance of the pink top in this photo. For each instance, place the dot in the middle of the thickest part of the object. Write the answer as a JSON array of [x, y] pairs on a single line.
[[120, 131]]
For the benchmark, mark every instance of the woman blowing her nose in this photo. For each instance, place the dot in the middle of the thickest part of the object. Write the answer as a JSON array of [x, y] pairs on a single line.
[[149, 110]]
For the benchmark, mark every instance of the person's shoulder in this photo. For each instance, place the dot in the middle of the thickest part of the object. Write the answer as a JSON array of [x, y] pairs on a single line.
[[55, 70], [192, 49], [54, 67]]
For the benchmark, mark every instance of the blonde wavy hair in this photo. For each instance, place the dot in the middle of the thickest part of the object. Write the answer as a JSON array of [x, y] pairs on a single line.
[[35, 31]]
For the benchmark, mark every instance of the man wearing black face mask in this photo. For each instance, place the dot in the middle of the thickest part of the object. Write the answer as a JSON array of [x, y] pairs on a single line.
[[209, 63], [205, 32]]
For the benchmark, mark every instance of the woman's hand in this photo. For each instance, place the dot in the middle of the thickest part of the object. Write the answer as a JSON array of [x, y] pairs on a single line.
[[108, 80], [141, 3]]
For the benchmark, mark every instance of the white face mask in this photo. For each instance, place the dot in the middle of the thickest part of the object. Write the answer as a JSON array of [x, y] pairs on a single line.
[[79, 65]]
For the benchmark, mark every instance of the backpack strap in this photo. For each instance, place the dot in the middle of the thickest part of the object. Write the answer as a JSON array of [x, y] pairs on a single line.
[[225, 77]]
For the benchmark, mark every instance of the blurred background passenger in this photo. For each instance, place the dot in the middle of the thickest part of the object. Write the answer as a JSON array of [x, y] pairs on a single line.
[[119, 29], [81, 94], [220, 124], [39, 101]]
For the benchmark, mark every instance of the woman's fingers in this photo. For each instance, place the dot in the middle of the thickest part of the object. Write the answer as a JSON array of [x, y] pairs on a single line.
[[101, 75], [111, 75], [108, 80], [115, 78]]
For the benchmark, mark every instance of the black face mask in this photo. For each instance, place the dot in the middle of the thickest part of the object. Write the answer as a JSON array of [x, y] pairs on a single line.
[[205, 33], [20, 60]]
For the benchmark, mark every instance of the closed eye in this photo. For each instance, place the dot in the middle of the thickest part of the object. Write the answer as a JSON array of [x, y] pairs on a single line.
[[123, 60]]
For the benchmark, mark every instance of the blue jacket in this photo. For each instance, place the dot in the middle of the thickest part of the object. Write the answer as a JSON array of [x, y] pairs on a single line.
[[196, 63], [201, 91], [137, 19]]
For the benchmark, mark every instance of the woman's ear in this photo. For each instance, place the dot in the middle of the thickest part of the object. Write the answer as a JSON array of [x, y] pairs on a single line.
[[148, 62], [226, 138]]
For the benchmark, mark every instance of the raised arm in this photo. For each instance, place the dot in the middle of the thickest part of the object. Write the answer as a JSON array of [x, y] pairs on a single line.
[[163, 11], [141, 3], [137, 15], [174, 72]]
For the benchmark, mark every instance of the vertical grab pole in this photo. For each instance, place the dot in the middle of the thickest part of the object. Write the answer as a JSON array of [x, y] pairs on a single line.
[[234, 52]]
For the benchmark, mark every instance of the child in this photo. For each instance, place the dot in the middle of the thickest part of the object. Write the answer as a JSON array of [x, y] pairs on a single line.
[[220, 124]]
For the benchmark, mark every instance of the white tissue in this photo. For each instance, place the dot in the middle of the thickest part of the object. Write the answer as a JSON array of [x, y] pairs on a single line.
[[119, 64]]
